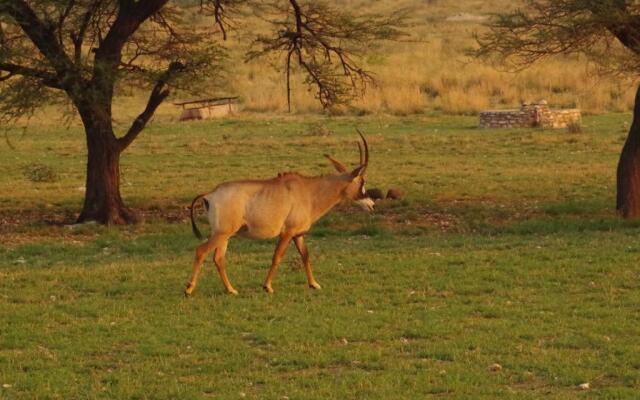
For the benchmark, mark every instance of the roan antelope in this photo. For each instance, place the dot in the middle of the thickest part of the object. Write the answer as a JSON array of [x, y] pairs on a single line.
[[286, 206]]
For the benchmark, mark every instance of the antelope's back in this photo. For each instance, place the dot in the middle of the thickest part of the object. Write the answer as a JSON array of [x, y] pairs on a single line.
[[269, 210], [262, 206]]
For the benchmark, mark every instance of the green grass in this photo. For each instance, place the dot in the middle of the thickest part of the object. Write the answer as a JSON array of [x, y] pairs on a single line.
[[505, 250]]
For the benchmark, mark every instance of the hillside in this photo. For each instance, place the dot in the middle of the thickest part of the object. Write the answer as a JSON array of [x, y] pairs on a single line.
[[426, 72]]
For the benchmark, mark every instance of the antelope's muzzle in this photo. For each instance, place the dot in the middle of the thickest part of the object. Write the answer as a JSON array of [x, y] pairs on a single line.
[[366, 203]]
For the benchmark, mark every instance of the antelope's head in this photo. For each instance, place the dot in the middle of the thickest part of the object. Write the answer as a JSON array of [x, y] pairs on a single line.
[[355, 190]]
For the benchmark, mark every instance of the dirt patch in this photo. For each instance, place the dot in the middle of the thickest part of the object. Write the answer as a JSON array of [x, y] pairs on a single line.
[[446, 215], [18, 227], [418, 217], [11, 219]]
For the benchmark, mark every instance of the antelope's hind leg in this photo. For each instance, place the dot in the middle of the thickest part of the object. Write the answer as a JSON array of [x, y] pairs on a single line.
[[304, 253], [218, 259], [218, 244], [201, 254]]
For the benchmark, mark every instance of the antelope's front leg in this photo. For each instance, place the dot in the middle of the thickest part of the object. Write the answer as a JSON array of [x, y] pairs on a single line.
[[281, 247], [304, 253]]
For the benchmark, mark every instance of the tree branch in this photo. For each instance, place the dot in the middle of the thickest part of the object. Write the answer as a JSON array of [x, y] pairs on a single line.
[[157, 96], [218, 14], [63, 16], [325, 42], [220, 10], [6, 77], [130, 16], [108, 55], [47, 78], [41, 36], [78, 37], [626, 31], [551, 27]]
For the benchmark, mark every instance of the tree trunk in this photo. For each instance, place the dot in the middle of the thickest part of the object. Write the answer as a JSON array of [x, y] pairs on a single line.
[[102, 202], [628, 198]]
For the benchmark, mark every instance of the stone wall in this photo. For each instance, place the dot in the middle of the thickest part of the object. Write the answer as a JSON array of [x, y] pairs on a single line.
[[530, 115], [561, 118]]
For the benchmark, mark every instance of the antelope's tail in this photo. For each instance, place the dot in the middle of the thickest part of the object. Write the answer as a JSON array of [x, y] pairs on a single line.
[[195, 229]]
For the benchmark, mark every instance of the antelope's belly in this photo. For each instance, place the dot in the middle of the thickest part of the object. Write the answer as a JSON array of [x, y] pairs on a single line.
[[264, 226], [260, 231], [265, 219]]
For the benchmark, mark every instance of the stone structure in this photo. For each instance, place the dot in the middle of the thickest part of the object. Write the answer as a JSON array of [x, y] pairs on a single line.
[[208, 108], [530, 115]]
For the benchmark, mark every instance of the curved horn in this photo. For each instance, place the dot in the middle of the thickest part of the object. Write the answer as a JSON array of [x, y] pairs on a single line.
[[340, 167], [361, 155], [366, 148]]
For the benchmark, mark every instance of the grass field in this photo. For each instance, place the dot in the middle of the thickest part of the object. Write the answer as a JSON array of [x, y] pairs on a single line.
[[504, 250]]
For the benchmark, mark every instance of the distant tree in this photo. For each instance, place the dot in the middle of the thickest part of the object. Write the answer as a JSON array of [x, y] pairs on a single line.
[[83, 51], [606, 31]]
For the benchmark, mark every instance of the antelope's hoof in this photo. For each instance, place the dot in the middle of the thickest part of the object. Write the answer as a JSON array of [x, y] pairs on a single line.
[[232, 291], [315, 285], [267, 289], [188, 290]]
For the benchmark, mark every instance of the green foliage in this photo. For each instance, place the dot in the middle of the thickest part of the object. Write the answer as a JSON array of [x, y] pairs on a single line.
[[63, 38], [603, 30], [39, 173]]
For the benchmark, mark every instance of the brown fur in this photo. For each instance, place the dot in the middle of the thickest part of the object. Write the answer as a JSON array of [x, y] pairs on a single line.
[[285, 206]]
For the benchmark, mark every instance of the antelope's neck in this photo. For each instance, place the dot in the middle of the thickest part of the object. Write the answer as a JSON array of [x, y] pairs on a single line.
[[327, 193]]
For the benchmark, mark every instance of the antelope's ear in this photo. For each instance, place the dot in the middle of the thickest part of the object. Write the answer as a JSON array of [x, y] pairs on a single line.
[[340, 167], [358, 171]]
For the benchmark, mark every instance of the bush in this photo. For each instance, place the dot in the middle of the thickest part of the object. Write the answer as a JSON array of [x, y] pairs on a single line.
[[574, 127], [318, 130], [39, 173]]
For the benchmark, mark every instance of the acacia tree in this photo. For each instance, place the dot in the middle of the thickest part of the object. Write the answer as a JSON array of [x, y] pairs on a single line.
[[607, 31], [83, 51]]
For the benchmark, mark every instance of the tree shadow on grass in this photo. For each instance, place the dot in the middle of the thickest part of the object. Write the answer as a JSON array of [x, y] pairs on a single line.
[[570, 225], [496, 217], [572, 216]]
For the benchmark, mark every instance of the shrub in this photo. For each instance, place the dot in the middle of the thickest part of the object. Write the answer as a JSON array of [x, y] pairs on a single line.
[[36, 172], [574, 127], [318, 130]]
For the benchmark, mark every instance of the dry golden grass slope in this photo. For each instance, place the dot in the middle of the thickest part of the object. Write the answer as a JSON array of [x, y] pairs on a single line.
[[430, 71], [426, 72]]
